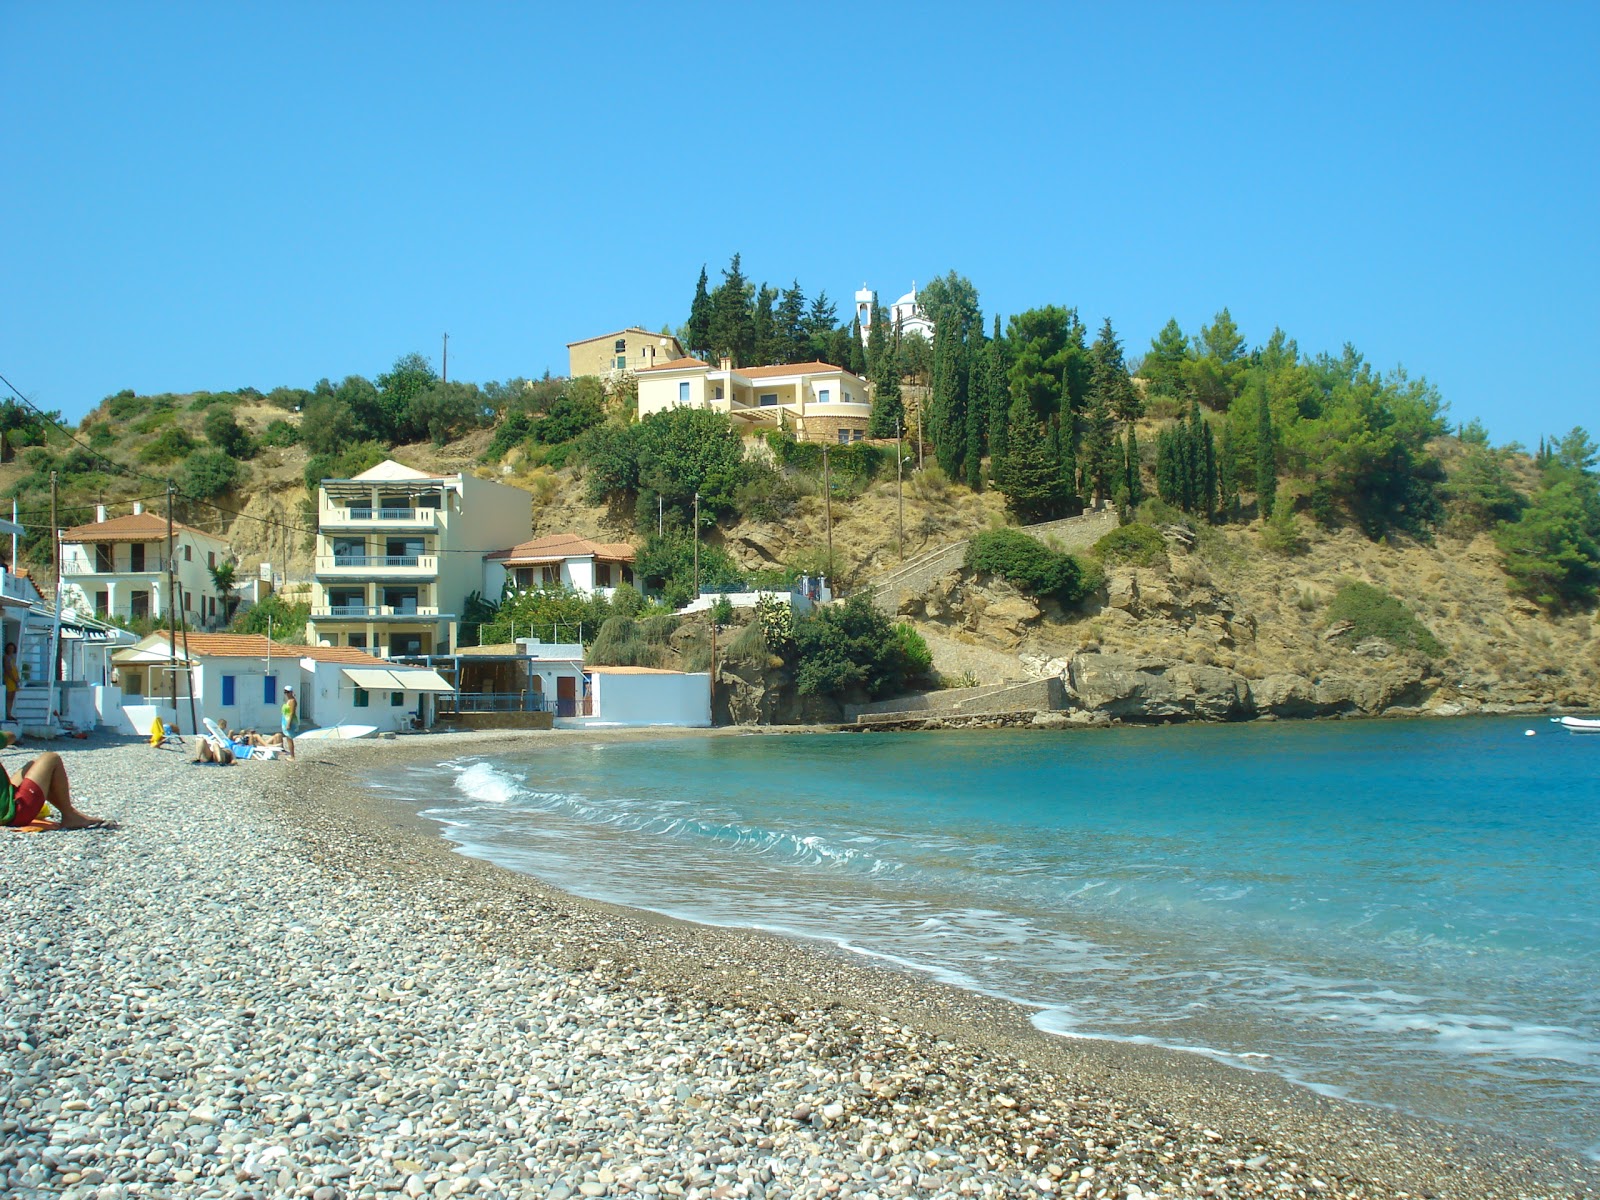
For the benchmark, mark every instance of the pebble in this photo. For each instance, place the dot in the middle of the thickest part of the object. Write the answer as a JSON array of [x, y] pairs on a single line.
[[199, 1005]]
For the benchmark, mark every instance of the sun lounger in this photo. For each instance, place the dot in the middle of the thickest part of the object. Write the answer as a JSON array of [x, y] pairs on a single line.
[[220, 739]]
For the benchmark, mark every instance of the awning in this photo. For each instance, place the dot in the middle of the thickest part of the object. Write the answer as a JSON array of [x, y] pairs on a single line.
[[374, 680]]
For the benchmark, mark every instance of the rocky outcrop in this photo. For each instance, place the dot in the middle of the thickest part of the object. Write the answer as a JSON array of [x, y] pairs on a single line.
[[1156, 689]]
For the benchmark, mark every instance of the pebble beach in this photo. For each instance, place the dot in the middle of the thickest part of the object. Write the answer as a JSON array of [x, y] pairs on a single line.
[[270, 981]]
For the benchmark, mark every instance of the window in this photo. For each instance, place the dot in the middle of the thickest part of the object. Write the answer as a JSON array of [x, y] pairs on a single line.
[[822, 395], [269, 689], [227, 691], [211, 558], [136, 557], [844, 437], [396, 699], [188, 601], [405, 644], [188, 554], [358, 640], [103, 559], [719, 391], [683, 391], [770, 399], [602, 574], [550, 575], [622, 362], [362, 699], [621, 346]]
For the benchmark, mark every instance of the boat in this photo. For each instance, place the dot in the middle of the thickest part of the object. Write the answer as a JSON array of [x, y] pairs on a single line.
[[1579, 724], [338, 732]]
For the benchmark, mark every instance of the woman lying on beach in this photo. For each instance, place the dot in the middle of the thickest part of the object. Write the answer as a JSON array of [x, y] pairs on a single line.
[[24, 795]]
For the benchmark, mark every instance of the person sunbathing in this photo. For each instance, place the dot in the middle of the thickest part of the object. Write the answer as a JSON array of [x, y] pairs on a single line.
[[209, 752], [24, 795]]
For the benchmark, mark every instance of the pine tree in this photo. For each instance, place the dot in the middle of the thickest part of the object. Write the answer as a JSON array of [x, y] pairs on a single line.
[[764, 340], [1097, 457], [1266, 456], [1227, 476], [974, 448], [700, 319], [1163, 365], [1030, 475], [1109, 383], [790, 326]]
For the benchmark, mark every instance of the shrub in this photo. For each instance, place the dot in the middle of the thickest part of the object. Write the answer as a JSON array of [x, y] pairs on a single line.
[[207, 400], [914, 652], [287, 621], [621, 643], [223, 432], [171, 444], [207, 473], [1030, 565], [627, 601], [1134, 543], [722, 610], [280, 433], [1281, 533], [849, 648], [1372, 612]]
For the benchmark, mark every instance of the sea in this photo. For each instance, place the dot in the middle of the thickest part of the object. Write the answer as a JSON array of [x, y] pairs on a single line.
[[1403, 913]]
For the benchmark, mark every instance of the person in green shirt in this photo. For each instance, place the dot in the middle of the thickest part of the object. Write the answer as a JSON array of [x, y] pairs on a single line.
[[291, 712]]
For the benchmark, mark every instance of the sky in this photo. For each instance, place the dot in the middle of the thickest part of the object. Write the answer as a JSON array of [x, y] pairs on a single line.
[[204, 197]]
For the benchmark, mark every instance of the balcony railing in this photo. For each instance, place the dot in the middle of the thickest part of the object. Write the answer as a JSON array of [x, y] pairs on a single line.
[[427, 563], [477, 702], [375, 610], [78, 566], [365, 512]]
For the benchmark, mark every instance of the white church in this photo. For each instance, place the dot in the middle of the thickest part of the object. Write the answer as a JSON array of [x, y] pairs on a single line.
[[904, 313]]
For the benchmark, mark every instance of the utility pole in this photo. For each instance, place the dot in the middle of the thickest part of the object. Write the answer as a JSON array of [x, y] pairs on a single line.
[[899, 492], [661, 515], [55, 633], [827, 505], [172, 629], [697, 545], [444, 369]]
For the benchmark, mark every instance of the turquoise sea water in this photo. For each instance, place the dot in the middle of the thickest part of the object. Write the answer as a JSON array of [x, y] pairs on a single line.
[[1405, 913]]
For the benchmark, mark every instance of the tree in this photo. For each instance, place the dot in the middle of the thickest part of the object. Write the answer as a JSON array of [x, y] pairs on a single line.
[[732, 331], [411, 375], [1163, 365], [207, 473], [947, 408], [789, 328], [1097, 451], [1036, 341], [951, 299], [995, 393], [1131, 492], [850, 649], [1109, 383], [222, 577], [1266, 457], [223, 432], [888, 410], [764, 328], [699, 327], [1215, 373], [441, 411], [977, 414], [1030, 475]]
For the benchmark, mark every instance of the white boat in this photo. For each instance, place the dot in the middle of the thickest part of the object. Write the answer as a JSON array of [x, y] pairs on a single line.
[[1579, 724], [338, 732]]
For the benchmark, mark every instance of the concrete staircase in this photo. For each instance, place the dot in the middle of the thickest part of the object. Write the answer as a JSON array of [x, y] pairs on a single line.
[[1024, 696], [916, 575]]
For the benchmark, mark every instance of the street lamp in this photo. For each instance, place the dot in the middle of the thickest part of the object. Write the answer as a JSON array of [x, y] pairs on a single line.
[[697, 545]]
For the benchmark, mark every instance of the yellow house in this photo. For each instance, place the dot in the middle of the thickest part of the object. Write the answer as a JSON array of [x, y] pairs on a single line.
[[613, 354], [398, 552], [816, 401]]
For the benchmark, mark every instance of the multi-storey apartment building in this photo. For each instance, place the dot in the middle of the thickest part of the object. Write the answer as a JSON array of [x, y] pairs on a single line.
[[398, 552], [816, 401], [119, 567]]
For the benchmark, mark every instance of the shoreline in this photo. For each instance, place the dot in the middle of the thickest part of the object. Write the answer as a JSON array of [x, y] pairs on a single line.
[[1193, 1086], [815, 1069]]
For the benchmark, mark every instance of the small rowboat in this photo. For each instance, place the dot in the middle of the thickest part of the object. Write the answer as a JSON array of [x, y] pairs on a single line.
[[340, 732], [1579, 724]]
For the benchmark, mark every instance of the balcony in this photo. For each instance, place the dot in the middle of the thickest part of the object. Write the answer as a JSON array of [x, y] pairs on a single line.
[[377, 566], [377, 612], [365, 516], [81, 567]]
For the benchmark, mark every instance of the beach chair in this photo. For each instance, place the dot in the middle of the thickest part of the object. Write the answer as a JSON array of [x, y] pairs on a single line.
[[144, 718], [219, 738]]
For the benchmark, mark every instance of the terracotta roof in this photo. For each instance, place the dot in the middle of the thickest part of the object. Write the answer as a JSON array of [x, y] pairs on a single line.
[[600, 337], [805, 368], [677, 364], [555, 546], [220, 645], [132, 527], [350, 656]]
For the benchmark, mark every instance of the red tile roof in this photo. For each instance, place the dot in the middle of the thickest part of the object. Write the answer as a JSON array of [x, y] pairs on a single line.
[[132, 527], [805, 368], [349, 656], [555, 546], [677, 364]]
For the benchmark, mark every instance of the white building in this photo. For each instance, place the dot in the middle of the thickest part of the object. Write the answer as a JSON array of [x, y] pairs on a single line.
[[905, 313], [588, 696], [240, 679], [816, 401], [559, 560], [398, 552], [117, 568]]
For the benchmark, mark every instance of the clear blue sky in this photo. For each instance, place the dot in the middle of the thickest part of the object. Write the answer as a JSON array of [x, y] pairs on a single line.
[[209, 196]]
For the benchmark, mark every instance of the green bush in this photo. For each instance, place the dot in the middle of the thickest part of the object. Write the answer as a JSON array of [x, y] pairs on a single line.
[[622, 643], [286, 621], [171, 444], [1372, 612], [207, 473], [123, 405], [226, 434], [1030, 565], [207, 400], [280, 433], [914, 650], [849, 649], [1134, 543], [1281, 533]]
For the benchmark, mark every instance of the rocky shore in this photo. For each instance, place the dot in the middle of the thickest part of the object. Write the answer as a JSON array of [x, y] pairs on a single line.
[[269, 982]]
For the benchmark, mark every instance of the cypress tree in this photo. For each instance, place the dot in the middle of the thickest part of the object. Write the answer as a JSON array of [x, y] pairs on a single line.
[[1030, 476], [858, 354], [998, 393], [888, 410], [1266, 457], [947, 413], [700, 318], [1097, 450], [1133, 480]]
